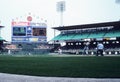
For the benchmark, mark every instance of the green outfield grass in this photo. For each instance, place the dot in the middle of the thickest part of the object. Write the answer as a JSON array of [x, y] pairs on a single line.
[[62, 66]]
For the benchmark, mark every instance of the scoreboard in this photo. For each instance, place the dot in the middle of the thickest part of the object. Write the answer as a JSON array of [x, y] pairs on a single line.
[[19, 31], [28, 32]]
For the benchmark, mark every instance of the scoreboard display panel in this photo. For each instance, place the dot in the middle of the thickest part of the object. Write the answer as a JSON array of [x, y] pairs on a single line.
[[19, 31], [39, 31], [29, 33]]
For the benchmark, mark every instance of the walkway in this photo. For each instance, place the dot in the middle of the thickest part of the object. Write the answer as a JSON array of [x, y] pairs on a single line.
[[23, 78]]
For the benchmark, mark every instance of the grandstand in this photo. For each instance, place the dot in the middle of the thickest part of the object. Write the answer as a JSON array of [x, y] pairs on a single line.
[[75, 36], [1, 40]]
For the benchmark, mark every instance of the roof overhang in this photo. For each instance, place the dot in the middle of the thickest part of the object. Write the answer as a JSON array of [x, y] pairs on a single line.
[[1, 26], [95, 25]]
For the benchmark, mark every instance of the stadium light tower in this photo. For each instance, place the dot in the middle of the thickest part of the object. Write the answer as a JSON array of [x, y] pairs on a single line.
[[61, 9]]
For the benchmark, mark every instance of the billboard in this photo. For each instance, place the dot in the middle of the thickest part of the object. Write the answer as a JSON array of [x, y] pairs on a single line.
[[28, 32], [14, 23]]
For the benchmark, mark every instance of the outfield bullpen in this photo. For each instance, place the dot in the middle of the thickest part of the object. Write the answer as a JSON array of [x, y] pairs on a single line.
[[62, 66]]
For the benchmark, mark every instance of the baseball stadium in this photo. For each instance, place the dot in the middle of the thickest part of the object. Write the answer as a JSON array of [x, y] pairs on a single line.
[[80, 42], [29, 53]]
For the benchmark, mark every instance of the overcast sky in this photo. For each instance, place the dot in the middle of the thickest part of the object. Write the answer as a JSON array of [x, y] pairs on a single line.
[[76, 12]]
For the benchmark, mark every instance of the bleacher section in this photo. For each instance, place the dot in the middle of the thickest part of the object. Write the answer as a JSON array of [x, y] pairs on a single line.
[[76, 36], [113, 34], [80, 36], [96, 35]]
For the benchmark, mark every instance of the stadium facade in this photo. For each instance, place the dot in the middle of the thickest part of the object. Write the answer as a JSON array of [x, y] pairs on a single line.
[[76, 35]]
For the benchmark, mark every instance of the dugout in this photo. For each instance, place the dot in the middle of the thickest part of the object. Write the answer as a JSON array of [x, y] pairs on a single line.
[[76, 35]]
